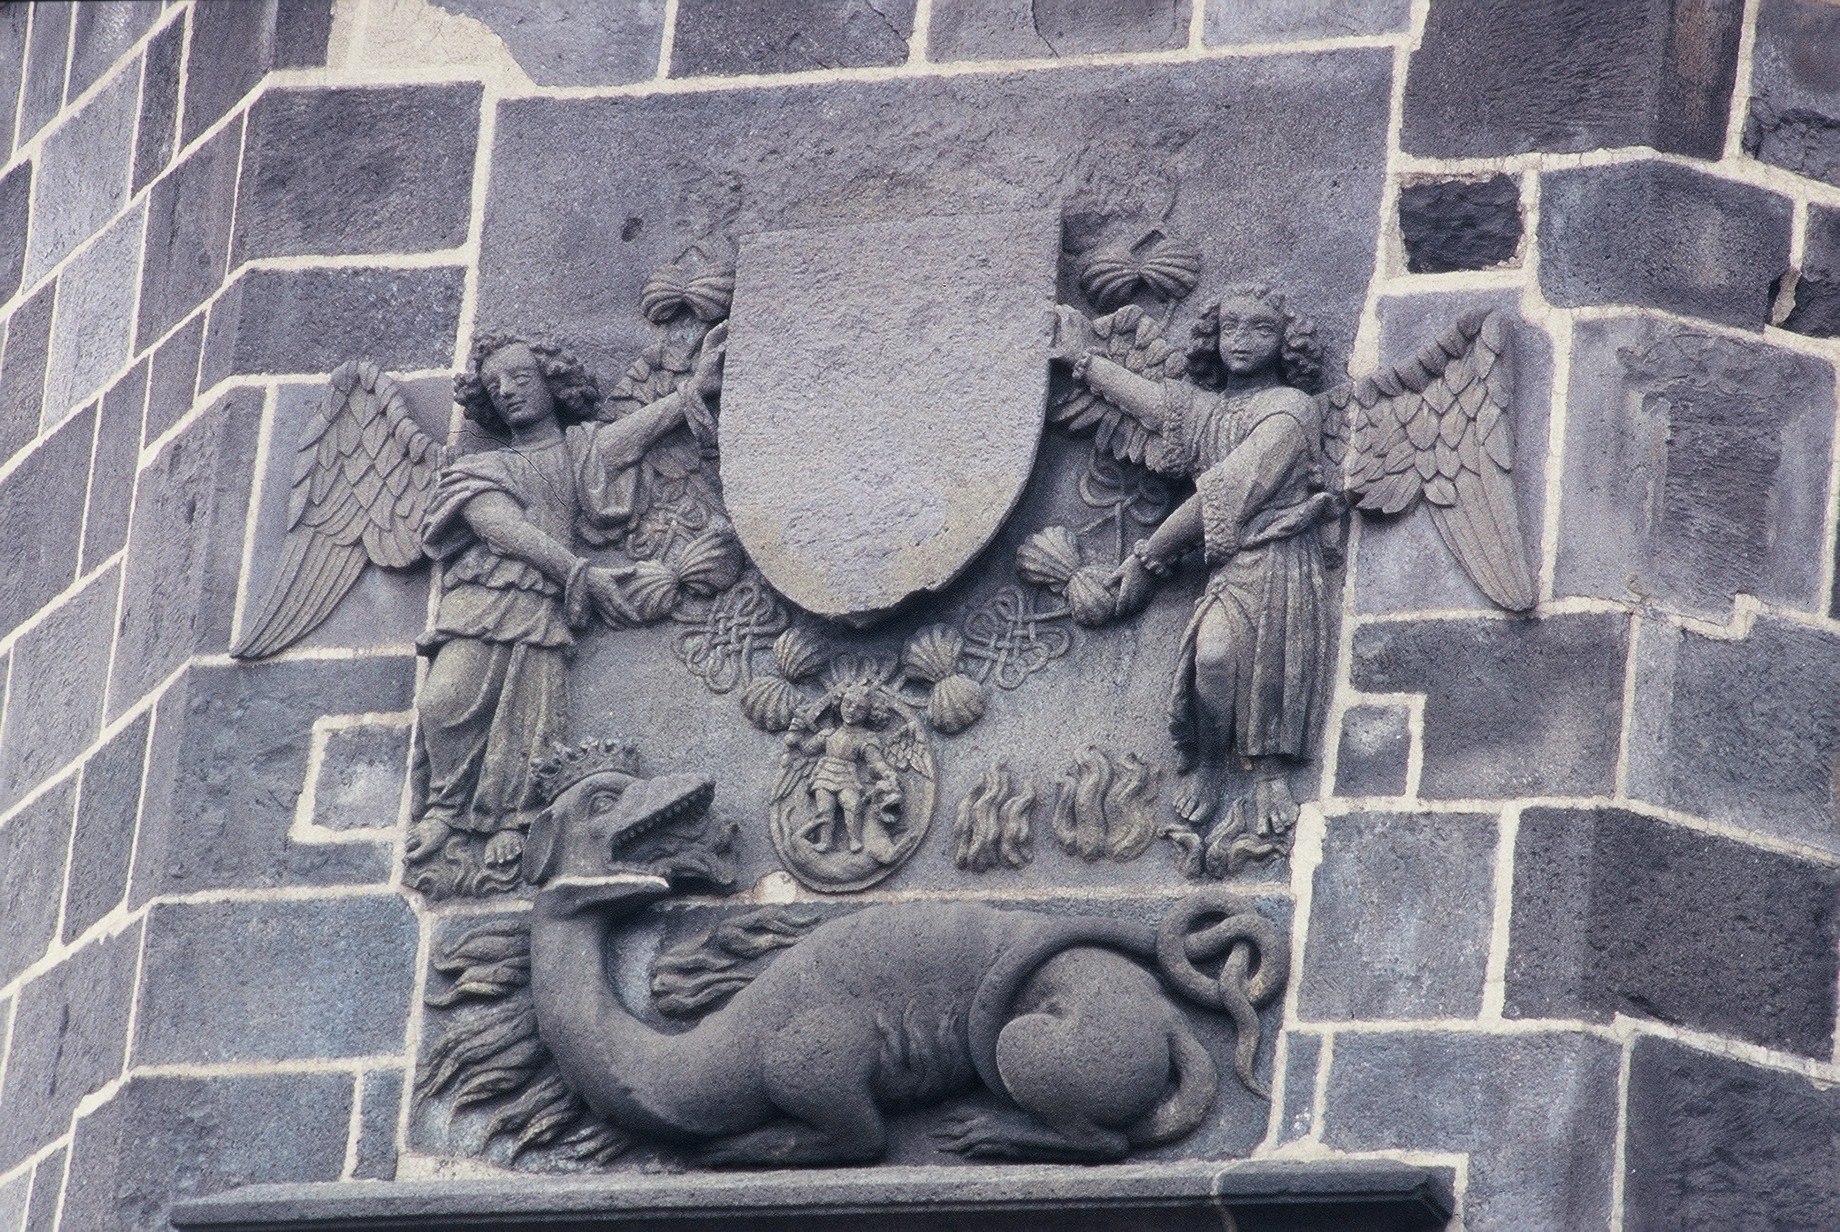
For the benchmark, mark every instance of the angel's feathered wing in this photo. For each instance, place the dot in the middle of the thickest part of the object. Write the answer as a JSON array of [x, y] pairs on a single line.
[[1437, 427], [363, 475]]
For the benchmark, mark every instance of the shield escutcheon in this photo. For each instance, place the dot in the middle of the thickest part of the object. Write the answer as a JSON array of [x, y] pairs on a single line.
[[883, 400]]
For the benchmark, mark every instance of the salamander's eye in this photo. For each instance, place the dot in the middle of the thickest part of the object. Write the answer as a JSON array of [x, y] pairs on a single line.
[[603, 801]]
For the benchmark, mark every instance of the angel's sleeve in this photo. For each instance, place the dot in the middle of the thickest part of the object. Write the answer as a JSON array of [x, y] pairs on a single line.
[[1236, 492]]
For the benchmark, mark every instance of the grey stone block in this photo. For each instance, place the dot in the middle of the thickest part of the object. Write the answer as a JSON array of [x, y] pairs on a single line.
[[13, 35], [47, 1192], [164, 1139], [361, 777], [275, 981], [172, 378], [1460, 224], [1375, 751], [574, 45], [1657, 235], [41, 518], [185, 547], [42, 95], [1031, 29], [1536, 1113], [1696, 468], [82, 177], [112, 466], [382, 1102], [1401, 917], [90, 339], [188, 233], [108, 806], [1303, 1058], [1742, 732], [284, 321], [375, 169], [70, 1031], [1282, 21], [1794, 116], [716, 37], [214, 816], [1498, 77], [1610, 916], [159, 122], [22, 369], [60, 669], [235, 44], [13, 1202], [101, 34], [1512, 707], [15, 209], [1816, 311], [1716, 1143], [33, 843]]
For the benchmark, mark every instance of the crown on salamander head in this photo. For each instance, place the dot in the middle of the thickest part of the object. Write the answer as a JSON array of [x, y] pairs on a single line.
[[566, 766]]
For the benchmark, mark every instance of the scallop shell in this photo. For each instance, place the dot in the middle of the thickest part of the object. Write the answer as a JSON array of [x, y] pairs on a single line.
[[932, 654], [695, 286], [798, 653], [955, 704], [710, 563], [1049, 558], [652, 590], [1092, 601], [769, 703]]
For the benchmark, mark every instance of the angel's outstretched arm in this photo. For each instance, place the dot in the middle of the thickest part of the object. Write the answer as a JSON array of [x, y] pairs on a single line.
[[1140, 398], [1180, 531], [621, 444]]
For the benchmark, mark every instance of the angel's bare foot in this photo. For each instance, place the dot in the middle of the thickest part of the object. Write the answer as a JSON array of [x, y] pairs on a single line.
[[1274, 808], [425, 838], [504, 848], [1197, 802]]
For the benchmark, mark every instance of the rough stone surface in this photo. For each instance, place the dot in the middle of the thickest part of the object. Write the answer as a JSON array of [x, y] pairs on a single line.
[[1696, 469], [1375, 752], [159, 122], [361, 777], [42, 95], [1512, 707], [22, 369], [188, 234], [574, 45], [41, 518], [1716, 1143], [357, 170], [33, 843], [1794, 115], [234, 45], [1817, 292], [716, 37], [112, 467], [1510, 76], [1400, 919], [172, 378], [1611, 916], [13, 1198], [1460, 224], [47, 1192], [15, 209], [1283, 21], [382, 1100], [101, 34], [1740, 731], [228, 760], [185, 547], [82, 176], [60, 669], [1031, 29], [816, 452], [13, 34], [1537, 1114], [1658, 235], [95, 317], [103, 845], [70, 1029], [275, 981], [162, 1139], [313, 320], [1297, 1119]]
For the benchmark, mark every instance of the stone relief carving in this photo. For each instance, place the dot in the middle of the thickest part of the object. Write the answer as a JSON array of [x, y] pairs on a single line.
[[996, 823], [1105, 806], [809, 1034]]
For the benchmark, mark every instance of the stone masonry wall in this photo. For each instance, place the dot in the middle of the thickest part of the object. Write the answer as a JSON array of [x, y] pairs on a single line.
[[1568, 904]]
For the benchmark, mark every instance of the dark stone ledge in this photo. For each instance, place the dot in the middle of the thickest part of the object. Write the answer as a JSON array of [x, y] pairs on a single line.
[[1349, 1196]]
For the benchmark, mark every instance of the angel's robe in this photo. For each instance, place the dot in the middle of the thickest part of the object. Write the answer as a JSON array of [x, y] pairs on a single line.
[[1262, 621]]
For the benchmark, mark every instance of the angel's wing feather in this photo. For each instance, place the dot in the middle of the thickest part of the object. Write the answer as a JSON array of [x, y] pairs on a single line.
[[1135, 340], [1437, 427], [362, 478]]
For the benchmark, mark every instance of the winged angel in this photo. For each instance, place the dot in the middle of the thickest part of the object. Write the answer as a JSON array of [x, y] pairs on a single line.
[[1273, 466]]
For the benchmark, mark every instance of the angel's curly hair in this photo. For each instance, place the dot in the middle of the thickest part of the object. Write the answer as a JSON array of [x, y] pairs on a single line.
[[1300, 355], [576, 393]]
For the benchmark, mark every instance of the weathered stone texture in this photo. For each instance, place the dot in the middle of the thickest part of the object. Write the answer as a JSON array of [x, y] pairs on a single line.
[[1696, 468], [1031, 29], [82, 177], [361, 777], [1273, 21], [1400, 917], [275, 981], [1512, 707], [1817, 292], [1460, 224], [1657, 235], [41, 518], [1375, 751], [1794, 115], [357, 170], [574, 45], [1616, 913], [13, 34], [42, 95], [234, 45], [1510, 76], [161, 1139], [188, 234], [101, 34], [22, 369], [382, 1095], [60, 669], [108, 804], [15, 209], [90, 338], [1716, 1143], [33, 843], [47, 1192], [1537, 1114], [159, 122], [13, 1198], [172, 378], [716, 37], [112, 467], [1303, 1053]]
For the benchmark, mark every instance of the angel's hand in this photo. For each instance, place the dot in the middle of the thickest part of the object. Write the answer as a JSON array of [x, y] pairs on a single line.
[[608, 596], [1135, 585], [706, 380], [1073, 334]]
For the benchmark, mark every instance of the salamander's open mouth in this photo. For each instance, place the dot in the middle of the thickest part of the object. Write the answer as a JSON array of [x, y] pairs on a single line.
[[663, 802]]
